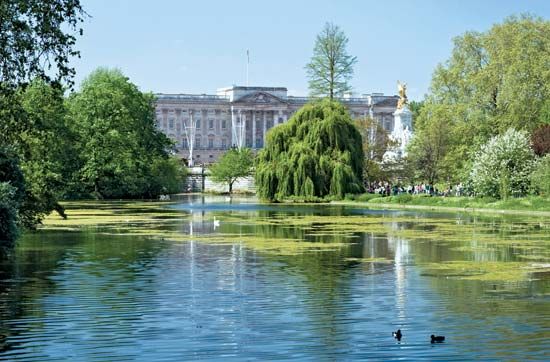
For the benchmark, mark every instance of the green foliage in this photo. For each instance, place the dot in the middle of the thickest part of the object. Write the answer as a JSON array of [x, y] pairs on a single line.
[[319, 143], [46, 149], [416, 108], [36, 37], [12, 194], [544, 117], [540, 178], [8, 215], [503, 166], [10, 172], [330, 68], [309, 188], [503, 73], [167, 176], [540, 139], [431, 152], [492, 81], [529, 203], [234, 164], [376, 141], [26, 135], [34, 117], [37, 34], [367, 197], [116, 137]]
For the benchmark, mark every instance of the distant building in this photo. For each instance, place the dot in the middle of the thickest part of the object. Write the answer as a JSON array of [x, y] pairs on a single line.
[[240, 116]]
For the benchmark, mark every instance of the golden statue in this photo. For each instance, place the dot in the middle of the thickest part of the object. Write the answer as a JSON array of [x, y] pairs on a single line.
[[402, 88]]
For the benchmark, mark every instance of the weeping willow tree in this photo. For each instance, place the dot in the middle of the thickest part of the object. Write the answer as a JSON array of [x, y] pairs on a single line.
[[317, 153]]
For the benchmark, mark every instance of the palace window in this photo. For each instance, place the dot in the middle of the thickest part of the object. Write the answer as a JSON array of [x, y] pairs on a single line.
[[211, 124], [197, 143], [184, 144], [224, 143], [210, 143], [224, 124], [198, 124], [387, 124]]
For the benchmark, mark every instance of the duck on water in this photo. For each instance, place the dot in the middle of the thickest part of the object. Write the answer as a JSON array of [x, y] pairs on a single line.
[[397, 335]]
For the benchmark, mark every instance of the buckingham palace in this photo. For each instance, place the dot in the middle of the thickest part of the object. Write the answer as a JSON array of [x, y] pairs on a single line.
[[204, 126]]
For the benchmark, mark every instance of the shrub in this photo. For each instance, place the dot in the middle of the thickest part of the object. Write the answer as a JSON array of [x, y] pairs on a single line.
[[402, 198], [540, 178], [167, 176], [502, 167], [367, 197]]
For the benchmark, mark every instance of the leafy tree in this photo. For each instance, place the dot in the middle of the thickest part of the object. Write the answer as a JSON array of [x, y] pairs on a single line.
[[540, 178], [37, 36], [492, 81], [544, 117], [416, 107], [117, 139], [234, 164], [167, 176], [503, 73], [8, 215], [12, 194], [42, 145], [318, 146], [432, 152], [375, 142], [46, 151], [503, 166], [331, 67], [541, 140]]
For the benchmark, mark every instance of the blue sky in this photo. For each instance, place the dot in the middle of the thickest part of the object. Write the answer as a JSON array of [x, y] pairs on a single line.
[[196, 46]]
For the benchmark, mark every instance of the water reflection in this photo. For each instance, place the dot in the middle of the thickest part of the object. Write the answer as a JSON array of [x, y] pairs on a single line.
[[94, 294]]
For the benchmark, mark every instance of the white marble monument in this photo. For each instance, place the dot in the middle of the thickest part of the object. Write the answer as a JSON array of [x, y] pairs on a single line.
[[402, 130]]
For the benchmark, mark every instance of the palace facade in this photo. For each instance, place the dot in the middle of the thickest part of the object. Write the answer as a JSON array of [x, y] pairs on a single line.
[[204, 126]]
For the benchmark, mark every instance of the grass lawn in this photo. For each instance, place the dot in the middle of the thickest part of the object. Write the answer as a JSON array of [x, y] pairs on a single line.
[[529, 203]]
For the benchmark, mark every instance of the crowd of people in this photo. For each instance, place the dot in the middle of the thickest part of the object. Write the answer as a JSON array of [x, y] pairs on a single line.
[[387, 189]]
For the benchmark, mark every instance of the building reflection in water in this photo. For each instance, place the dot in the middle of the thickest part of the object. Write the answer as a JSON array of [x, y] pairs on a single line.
[[400, 248]]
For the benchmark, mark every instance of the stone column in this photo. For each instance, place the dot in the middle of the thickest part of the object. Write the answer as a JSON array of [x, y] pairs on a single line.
[[233, 129], [264, 128], [254, 129], [242, 130]]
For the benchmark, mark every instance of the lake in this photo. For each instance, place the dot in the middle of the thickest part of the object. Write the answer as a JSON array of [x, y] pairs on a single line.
[[211, 278]]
